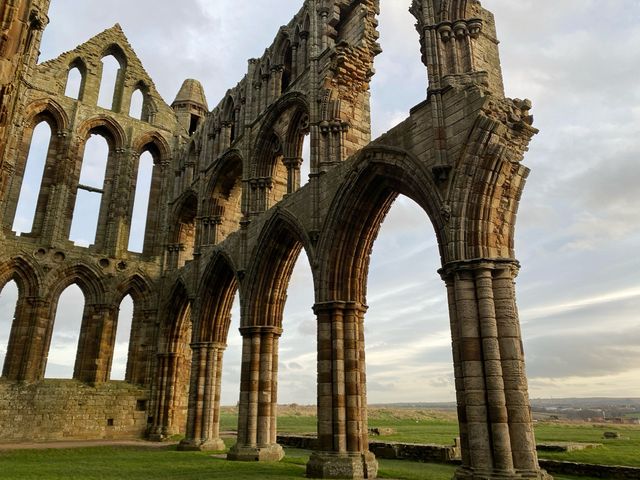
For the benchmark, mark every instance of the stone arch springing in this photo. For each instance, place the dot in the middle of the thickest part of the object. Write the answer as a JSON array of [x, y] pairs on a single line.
[[75, 84], [36, 113], [262, 305], [489, 199], [173, 365], [222, 205]]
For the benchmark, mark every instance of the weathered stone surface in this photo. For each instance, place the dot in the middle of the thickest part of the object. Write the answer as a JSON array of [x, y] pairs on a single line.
[[227, 214]]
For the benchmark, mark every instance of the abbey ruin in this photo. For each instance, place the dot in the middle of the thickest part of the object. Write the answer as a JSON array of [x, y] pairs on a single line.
[[226, 214]]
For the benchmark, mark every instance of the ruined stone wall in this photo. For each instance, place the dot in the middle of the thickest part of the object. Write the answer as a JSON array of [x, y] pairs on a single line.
[[71, 410]]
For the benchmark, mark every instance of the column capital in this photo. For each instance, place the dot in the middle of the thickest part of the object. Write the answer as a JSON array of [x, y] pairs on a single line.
[[292, 162], [259, 329], [218, 345], [328, 306], [477, 264]]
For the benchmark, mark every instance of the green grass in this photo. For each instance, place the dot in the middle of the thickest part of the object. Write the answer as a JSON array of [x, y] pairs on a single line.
[[132, 463], [618, 451], [421, 426]]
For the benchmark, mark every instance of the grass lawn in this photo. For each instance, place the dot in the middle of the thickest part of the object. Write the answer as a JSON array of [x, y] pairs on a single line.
[[425, 426], [417, 426], [132, 463]]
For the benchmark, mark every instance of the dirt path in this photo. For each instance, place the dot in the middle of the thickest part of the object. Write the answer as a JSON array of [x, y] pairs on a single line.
[[84, 443]]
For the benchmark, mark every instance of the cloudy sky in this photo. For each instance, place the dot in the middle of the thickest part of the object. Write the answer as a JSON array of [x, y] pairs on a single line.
[[579, 220]]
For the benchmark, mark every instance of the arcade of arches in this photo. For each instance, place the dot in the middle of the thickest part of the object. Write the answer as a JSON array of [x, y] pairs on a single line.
[[227, 214]]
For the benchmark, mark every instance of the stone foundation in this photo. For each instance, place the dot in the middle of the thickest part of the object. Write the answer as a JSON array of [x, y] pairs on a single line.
[[270, 453], [71, 410], [342, 465]]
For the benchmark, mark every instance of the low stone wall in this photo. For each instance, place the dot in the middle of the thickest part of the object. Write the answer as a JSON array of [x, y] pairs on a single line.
[[451, 454], [388, 450], [415, 452], [71, 410], [590, 470]]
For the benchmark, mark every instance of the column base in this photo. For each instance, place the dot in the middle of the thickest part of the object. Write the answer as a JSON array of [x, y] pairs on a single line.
[[342, 465], [270, 453], [476, 474], [213, 445], [156, 437]]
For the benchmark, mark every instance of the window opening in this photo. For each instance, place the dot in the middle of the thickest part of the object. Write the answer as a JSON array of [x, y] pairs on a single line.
[[110, 69], [66, 333], [8, 304], [141, 203], [123, 336], [74, 82], [32, 178], [137, 103], [90, 190]]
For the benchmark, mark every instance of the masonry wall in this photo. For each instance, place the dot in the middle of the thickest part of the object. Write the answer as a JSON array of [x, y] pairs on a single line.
[[71, 410]]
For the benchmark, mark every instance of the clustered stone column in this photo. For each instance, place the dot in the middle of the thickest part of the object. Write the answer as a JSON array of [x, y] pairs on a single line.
[[343, 443], [257, 415], [164, 394], [496, 427], [203, 421]]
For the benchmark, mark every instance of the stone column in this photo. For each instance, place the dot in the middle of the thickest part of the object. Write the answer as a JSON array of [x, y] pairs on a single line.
[[257, 413], [95, 346], [225, 133], [343, 444], [496, 428], [164, 396], [276, 81], [293, 173], [203, 420]]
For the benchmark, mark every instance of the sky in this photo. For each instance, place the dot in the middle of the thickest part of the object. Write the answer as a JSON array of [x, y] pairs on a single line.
[[578, 225]]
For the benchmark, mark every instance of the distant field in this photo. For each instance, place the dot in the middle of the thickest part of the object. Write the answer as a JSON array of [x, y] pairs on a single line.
[[440, 427]]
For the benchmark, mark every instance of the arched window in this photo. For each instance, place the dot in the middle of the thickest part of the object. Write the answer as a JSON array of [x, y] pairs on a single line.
[[66, 332], [32, 179], [137, 103], [8, 303], [74, 83], [123, 335], [108, 84], [141, 202], [305, 167], [90, 191]]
